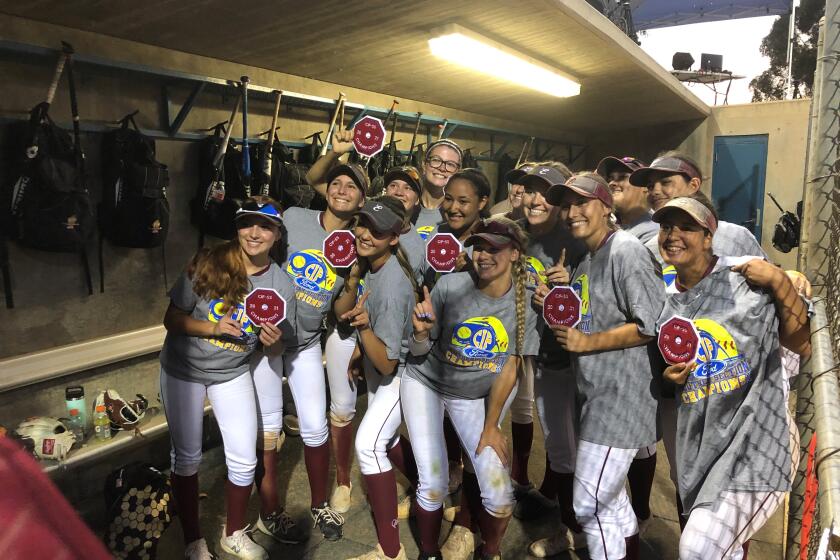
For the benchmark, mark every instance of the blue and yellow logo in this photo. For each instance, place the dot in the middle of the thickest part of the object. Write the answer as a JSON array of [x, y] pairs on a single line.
[[424, 232], [310, 270], [581, 286], [481, 337], [535, 270], [669, 275], [720, 367], [247, 335]]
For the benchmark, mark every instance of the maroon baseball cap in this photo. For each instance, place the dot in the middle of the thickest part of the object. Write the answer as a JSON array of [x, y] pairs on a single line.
[[515, 175], [590, 186], [627, 164], [352, 170], [694, 208], [543, 176], [662, 167], [497, 233]]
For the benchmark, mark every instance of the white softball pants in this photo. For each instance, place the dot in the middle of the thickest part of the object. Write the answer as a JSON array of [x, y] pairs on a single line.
[[305, 373], [554, 392], [424, 410], [338, 352], [601, 503], [379, 429], [235, 409]]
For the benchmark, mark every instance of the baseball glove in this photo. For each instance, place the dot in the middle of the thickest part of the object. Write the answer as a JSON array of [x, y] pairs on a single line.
[[48, 437]]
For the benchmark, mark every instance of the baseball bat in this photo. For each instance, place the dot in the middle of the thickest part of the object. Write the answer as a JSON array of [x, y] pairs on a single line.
[[339, 107], [220, 156], [269, 150], [246, 152], [414, 136]]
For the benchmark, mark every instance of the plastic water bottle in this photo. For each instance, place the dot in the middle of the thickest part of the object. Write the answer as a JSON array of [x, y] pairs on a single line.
[[76, 425], [101, 424], [75, 398]]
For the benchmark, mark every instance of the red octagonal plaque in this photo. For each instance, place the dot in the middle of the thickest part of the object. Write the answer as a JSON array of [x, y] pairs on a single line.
[[340, 248], [678, 340], [562, 307], [265, 305], [442, 252], [369, 136]]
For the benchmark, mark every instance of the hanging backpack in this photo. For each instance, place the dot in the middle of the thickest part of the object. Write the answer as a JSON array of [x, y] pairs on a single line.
[[134, 210], [48, 206]]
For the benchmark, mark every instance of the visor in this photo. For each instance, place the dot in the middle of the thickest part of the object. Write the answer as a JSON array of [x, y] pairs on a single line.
[[496, 233], [253, 208], [694, 208], [543, 176], [515, 175], [584, 185], [626, 164], [663, 167]]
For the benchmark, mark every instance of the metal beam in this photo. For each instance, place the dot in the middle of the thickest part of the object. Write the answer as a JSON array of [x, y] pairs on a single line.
[[175, 125]]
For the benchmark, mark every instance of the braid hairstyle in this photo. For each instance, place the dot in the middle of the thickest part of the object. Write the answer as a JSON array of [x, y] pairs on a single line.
[[396, 206]]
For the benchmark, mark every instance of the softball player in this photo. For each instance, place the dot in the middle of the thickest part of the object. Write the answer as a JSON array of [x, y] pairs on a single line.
[[512, 207], [463, 363], [209, 341], [443, 159], [733, 440], [622, 294], [316, 282], [382, 318], [403, 183]]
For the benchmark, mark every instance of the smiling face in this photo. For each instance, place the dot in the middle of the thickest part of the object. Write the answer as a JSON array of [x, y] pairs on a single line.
[[256, 236], [663, 188], [682, 241], [344, 196], [626, 197], [515, 195], [491, 263], [371, 243], [586, 218], [537, 210], [462, 205], [440, 164], [401, 190]]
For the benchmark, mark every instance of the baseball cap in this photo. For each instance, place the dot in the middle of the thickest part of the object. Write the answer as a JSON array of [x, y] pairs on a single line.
[[381, 217], [694, 208], [590, 186], [495, 232], [406, 173], [515, 175], [609, 164], [663, 166], [352, 170], [264, 210], [544, 176]]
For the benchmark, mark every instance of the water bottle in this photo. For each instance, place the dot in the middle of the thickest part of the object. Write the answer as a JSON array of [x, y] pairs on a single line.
[[101, 423], [75, 398], [76, 425]]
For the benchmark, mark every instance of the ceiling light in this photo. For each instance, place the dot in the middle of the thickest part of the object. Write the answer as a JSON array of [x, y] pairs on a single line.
[[469, 49]]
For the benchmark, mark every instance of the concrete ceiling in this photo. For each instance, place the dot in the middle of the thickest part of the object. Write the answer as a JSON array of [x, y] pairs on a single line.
[[381, 46]]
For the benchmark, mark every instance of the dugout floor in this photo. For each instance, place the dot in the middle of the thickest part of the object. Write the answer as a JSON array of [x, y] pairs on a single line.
[[659, 541]]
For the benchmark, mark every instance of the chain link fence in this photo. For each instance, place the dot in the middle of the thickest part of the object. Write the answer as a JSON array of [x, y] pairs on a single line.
[[814, 505]]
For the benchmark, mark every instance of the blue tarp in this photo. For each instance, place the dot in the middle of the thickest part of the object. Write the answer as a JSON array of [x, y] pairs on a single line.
[[651, 14]]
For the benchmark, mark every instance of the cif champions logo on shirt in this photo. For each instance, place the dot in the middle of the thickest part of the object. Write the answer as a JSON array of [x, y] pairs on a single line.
[[247, 336], [581, 288], [424, 231], [535, 271], [313, 276], [669, 275], [720, 367], [479, 342]]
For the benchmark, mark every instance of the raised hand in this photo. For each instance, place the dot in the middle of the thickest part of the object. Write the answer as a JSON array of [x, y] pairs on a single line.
[[342, 141], [423, 318], [358, 316], [227, 325]]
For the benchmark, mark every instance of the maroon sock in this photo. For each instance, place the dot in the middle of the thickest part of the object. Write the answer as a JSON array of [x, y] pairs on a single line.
[[185, 491], [453, 444], [565, 497], [266, 480], [236, 499], [746, 549], [548, 488], [317, 461], [471, 506], [492, 531], [631, 545], [523, 436], [402, 457], [640, 477], [382, 496], [680, 517], [342, 446], [428, 525]]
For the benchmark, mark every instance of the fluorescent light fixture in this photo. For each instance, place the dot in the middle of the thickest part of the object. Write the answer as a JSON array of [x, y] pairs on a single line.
[[472, 50]]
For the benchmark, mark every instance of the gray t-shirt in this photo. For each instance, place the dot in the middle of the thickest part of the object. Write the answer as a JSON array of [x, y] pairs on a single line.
[[644, 229], [619, 389], [390, 306], [732, 432], [473, 336], [315, 280], [211, 360], [415, 250], [427, 219]]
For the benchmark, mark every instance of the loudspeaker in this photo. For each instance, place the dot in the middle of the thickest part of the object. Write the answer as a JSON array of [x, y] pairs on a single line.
[[711, 62], [682, 61]]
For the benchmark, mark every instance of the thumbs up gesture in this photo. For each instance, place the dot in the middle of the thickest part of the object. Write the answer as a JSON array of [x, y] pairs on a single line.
[[424, 316]]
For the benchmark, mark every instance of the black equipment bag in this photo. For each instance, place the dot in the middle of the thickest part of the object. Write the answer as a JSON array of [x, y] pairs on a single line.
[[134, 211]]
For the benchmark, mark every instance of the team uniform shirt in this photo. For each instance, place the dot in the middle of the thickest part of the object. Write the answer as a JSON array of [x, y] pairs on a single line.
[[645, 229], [732, 433], [315, 280], [211, 360], [415, 249], [426, 220], [390, 306], [542, 253], [619, 389], [473, 336]]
